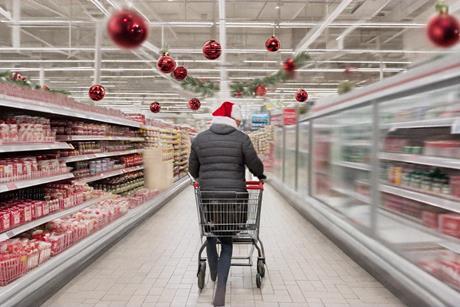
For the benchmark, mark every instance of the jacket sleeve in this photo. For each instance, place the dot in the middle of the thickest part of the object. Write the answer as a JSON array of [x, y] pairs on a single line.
[[251, 159], [193, 163]]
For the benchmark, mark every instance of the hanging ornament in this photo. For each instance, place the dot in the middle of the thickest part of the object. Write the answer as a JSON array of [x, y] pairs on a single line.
[[211, 50], [301, 95], [45, 87], [96, 92], [289, 65], [15, 76], [443, 29], [194, 104], [273, 44], [180, 73], [127, 29], [260, 90], [166, 63], [155, 107]]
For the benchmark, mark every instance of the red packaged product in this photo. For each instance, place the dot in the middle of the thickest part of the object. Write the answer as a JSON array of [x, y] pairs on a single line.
[[5, 220], [450, 224], [430, 219]]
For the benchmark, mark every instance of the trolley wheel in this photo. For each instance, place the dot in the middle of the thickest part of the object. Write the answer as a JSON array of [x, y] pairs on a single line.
[[261, 268], [258, 280], [201, 275]]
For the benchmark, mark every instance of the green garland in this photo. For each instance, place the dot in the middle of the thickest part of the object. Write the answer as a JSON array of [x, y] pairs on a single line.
[[208, 88], [344, 87], [5, 76]]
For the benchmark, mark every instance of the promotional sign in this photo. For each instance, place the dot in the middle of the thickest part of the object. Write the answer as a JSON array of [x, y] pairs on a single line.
[[289, 116], [260, 120]]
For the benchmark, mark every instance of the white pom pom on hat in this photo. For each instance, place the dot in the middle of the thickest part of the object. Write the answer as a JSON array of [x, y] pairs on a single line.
[[228, 109]]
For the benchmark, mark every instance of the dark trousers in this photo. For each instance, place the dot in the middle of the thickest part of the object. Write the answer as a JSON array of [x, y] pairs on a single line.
[[220, 265]]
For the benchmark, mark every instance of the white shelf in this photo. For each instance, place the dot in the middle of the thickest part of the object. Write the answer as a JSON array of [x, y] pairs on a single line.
[[423, 123], [33, 146], [69, 138], [357, 143], [431, 200], [353, 165], [32, 224], [16, 185], [108, 174], [39, 106], [100, 155], [420, 159], [362, 198]]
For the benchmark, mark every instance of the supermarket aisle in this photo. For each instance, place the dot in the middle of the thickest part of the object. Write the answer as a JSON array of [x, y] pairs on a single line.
[[155, 265]]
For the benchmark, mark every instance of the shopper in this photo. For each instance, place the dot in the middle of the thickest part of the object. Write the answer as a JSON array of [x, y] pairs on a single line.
[[217, 160]]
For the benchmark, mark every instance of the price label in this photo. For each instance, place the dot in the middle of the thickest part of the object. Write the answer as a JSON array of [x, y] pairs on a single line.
[[455, 126], [10, 234], [11, 186]]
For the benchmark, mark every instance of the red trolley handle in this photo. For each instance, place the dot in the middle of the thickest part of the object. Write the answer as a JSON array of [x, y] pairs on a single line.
[[250, 185]]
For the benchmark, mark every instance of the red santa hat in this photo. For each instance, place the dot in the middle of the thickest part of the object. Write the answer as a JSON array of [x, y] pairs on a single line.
[[228, 109]]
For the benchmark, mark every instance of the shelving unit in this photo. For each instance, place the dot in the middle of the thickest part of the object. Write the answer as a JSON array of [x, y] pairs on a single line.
[[100, 155], [70, 138], [422, 160], [11, 186], [112, 173], [422, 123], [4, 148], [353, 165]]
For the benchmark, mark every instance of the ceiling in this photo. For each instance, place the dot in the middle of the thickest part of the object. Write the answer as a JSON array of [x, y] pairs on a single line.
[[376, 38]]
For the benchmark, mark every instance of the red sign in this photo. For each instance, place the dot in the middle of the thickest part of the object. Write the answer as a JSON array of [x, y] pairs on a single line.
[[290, 116]]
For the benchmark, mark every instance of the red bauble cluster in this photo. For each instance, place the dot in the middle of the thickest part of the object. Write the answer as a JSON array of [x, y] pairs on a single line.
[[127, 28], [96, 92], [180, 73], [289, 65], [194, 104], [166, 63], [301, 95], [273, 44], [443, 29], [18, 77], [155, 107], [260, 90], [211, 50]]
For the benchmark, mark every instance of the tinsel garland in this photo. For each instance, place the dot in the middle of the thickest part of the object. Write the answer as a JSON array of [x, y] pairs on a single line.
[[5, 76], [345, 86], [240, 89]]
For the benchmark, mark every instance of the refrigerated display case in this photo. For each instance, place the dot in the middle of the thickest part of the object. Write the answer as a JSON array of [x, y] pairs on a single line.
[[384, 174]]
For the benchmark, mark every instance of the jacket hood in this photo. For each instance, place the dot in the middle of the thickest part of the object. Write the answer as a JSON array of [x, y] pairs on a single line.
[[222, 129]]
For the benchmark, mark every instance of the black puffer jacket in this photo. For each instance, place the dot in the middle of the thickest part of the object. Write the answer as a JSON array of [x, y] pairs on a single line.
[[218, 158]]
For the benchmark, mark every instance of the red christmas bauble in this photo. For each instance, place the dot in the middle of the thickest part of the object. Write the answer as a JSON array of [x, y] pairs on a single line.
[[127, 28], [180, 73], [260, 90], [289, 65], [96, 92], [273, 44], [166, 64], [237, 94], [194, 104], [301, 95], [443, 30], [155, 107], [211, 50]]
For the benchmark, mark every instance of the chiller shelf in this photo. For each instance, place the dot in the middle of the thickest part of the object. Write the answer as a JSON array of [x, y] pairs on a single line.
[[40, 106], [70, 138], [423, 123], [100, 155], [4, 148], [360, 197], [353, 165], [16, 185], [108, 174], [32, 224], [420, 159], [431, 200]]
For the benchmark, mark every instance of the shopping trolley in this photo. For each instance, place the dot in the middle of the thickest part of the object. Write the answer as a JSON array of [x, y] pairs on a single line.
[[231, 214]]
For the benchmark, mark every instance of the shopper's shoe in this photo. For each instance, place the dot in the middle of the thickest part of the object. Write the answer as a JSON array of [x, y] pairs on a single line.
[[213, 275], [219, 297]]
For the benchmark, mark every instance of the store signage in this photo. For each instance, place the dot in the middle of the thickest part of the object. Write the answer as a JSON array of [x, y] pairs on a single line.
[[289, 116]]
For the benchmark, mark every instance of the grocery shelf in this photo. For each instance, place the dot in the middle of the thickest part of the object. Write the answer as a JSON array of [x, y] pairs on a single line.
[[36, 285], [420, 159], [16, 185], [49, 108], [69, 138], [33, 147], [362, 198], [100, 155], [422, 123], [32, 224], [113, 173], [354, 165], [435, 201], [357, 143]]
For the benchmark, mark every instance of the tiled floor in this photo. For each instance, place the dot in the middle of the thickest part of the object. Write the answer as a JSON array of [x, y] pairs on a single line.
[[155, 265]]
